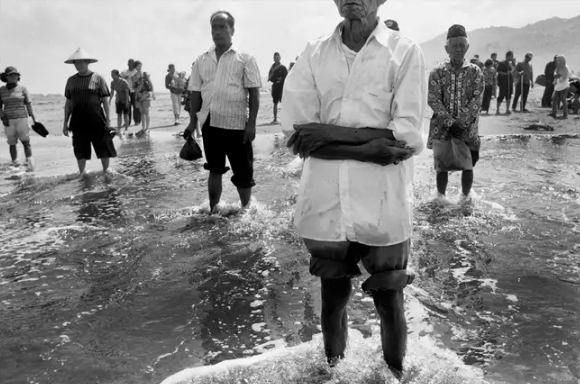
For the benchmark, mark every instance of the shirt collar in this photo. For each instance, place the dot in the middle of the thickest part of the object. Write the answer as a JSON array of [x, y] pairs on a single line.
[[381, 33], [449, 66], [233, 48]]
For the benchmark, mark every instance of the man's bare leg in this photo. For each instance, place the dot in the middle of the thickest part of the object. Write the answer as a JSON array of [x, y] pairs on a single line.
[[334, 317], [245, 196], [82, 163], [275, 113], [105, 163], [214, 188]]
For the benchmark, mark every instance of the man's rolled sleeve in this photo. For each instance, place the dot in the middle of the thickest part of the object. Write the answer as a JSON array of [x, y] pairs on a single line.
[[410, 100], [301, 98], [252, 78], [195, 77]]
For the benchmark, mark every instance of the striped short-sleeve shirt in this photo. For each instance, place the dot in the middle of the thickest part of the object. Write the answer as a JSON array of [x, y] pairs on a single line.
[[224, 86], [15, 103], [85, 93]]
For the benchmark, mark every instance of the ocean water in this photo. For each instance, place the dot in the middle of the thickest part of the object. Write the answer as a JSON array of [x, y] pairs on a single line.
[[125, 278]]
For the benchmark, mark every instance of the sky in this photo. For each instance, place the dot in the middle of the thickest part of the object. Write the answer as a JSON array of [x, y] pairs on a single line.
[[37, 36]]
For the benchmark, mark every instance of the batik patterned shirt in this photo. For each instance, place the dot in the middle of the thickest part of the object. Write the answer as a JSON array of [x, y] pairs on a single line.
[[455, 95]]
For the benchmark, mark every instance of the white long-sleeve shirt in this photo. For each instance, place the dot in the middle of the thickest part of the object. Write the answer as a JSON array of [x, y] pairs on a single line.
[[382, 86]]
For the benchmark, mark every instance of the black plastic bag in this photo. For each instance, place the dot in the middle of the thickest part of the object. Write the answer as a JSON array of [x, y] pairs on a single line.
[[190, 150], [451, 155], [40, 129]]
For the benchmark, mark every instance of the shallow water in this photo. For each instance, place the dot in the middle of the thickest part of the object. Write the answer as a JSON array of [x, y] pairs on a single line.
[[125, 278]]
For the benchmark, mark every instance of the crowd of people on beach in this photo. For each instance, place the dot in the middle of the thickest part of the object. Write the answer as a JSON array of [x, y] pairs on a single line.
[[355, 101]]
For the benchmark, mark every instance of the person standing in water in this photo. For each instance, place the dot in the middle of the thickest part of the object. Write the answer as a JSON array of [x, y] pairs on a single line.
[[225, 87], [277, 75], [122, 95], [505, 82], [525, 79], [15, 109], [356, 101], [86, 112], [561, 88], [455, 96], [128, 74], [171, 83], [144, 93]]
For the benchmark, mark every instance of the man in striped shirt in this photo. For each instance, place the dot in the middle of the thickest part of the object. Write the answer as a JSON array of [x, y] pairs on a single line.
[[221, 81]]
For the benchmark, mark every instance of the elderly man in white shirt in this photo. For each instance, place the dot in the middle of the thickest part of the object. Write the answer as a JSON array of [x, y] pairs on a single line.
[[356, 100]]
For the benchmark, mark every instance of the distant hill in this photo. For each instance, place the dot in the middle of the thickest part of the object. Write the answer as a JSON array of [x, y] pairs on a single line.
[[545, 39]]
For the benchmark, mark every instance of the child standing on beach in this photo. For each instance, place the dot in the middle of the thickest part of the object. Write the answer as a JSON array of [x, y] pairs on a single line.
[[120, 89]]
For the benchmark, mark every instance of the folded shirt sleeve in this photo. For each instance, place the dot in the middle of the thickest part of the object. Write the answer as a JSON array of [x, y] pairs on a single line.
[[410, 100]]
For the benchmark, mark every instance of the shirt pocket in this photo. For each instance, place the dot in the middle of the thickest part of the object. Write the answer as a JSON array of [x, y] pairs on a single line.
[[377, 106]]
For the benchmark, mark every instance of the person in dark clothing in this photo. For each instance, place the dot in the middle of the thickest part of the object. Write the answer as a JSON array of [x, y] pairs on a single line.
[[549, 90], [525, 73], [277, 75], [505, 82]]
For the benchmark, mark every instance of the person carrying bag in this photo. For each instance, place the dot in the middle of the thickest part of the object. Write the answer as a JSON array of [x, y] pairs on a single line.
[[452, 154]]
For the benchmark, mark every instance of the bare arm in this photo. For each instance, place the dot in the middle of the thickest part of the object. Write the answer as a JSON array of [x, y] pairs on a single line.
[[194, 106], [28, 103]]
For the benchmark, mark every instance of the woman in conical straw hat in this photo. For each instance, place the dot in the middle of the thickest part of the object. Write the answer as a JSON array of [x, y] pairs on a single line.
[[87, 112], [15, 108]]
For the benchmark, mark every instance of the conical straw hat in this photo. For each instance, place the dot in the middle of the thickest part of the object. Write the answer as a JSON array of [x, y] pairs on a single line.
[[80, 54]]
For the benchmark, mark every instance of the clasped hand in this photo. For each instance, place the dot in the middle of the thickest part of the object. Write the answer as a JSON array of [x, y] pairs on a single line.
[[307, 138]]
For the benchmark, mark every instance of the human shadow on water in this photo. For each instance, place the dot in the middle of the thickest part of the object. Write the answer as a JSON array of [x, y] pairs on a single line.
[[101, 205]]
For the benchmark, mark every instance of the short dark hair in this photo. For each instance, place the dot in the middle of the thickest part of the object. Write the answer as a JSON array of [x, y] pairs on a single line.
[[494, 54], [115, 72], [276, 53], [509, 53], [488, 62], [476, 56], [137, 63], [231, 20]]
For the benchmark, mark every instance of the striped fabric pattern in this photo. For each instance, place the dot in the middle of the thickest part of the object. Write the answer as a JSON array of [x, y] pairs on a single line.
[[15, 103], [86, 92], [224, 87]]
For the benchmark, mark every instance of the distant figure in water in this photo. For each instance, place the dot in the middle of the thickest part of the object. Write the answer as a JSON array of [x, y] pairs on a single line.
[[455, 95], [128, 74], [561, 87], [86, 112], [144, 93], [549, 73], [171, 83], [220, 97], [505, 82], [392, 24], [15, 108], [277, 75], [490, 78], [357, 121], [525, 79], [120, 91]]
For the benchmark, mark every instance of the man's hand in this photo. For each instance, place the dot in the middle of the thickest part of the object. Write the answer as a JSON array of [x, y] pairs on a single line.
[[189, 130], [249, 132], [456, 129], [5, 121], [65, 129], [307, 138], [386, 151]]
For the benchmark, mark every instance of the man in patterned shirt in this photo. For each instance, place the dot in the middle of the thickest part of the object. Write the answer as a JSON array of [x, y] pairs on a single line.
[[221, 81], [455, 95]]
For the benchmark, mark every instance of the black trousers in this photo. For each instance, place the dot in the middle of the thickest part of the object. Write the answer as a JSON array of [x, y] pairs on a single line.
[[519, 93], [548, 93]]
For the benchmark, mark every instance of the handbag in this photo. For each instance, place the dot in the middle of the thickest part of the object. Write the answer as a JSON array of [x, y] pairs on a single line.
[[191, 150], [451, 155]]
